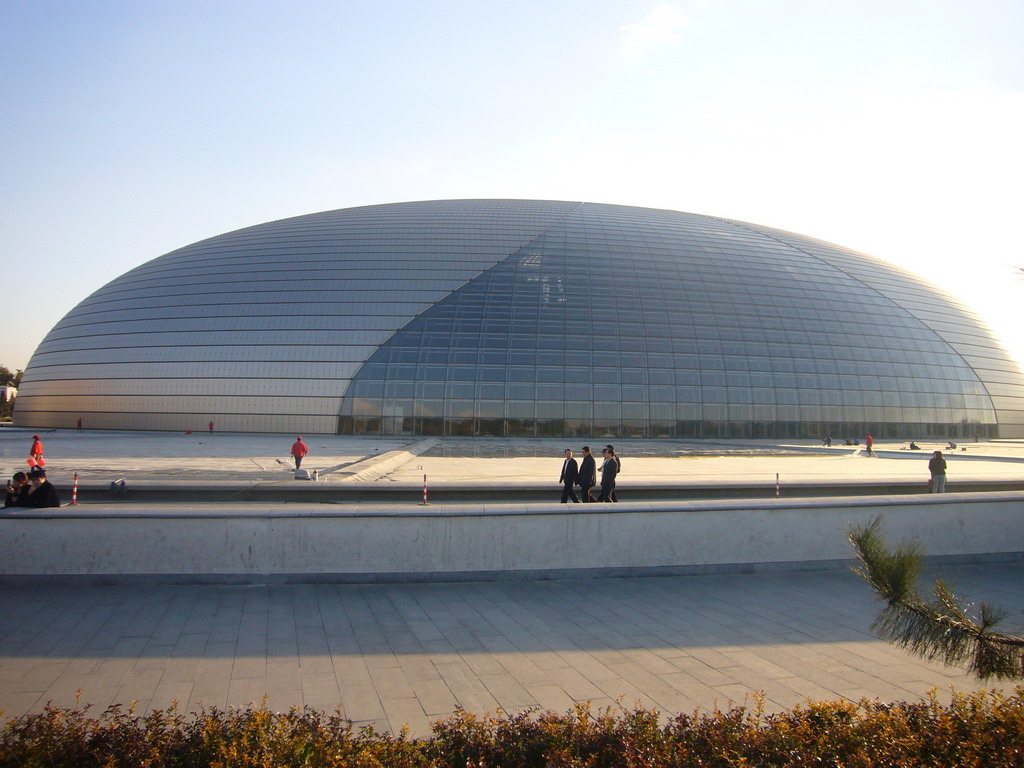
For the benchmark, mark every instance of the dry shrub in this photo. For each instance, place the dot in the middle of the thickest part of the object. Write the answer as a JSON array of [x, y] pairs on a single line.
[[979, 729]]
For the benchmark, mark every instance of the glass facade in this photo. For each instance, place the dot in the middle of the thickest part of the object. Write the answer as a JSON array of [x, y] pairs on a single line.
[[525, 318]]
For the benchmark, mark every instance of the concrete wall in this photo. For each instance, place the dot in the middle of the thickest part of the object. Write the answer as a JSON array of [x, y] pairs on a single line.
[[253, 543]]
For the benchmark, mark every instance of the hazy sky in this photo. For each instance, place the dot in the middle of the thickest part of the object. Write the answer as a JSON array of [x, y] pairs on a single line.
[[130, 128]]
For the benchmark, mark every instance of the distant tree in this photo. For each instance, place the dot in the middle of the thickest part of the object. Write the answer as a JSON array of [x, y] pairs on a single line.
[[943, 628], [8, 378]]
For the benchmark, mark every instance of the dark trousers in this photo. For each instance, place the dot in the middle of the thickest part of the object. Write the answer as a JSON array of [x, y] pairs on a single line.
[[298, 461], [586, 494], [607, 493], [569, 493]]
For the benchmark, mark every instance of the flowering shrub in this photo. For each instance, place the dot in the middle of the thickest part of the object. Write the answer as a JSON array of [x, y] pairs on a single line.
[[980, 729]]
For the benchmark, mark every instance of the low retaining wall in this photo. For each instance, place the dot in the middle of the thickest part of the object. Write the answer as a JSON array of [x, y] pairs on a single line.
[[290, 543]]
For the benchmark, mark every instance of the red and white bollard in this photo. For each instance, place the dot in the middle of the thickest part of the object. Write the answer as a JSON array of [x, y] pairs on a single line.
[[777, 493], [74, 491], [425, 502]]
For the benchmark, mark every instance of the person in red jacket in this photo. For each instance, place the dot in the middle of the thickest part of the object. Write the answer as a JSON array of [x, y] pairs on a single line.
[[869, 441], [36, 451], [299, 449]]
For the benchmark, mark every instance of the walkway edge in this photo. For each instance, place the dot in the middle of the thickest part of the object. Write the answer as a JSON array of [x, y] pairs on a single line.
[[454, 544]]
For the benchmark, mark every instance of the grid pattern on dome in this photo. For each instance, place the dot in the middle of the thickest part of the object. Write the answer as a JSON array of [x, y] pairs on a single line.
[[261, 329], [647, 323], [518, 317]]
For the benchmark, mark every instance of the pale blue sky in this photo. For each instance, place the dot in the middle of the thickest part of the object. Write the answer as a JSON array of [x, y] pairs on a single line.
[[128, 129]]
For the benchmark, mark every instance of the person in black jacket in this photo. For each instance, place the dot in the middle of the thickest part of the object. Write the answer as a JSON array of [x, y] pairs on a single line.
[[609, 470], [570, 471], [17, 491], [937, 466], [43, 494], [587, 478], [618, 461]]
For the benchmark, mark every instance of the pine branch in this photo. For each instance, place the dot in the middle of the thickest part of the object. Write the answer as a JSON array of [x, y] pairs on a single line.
[[942, 628]]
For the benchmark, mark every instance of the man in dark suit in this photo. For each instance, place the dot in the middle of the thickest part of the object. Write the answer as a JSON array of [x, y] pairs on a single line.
[[609, 470], [618, 468], [570, 471], [588, 475]]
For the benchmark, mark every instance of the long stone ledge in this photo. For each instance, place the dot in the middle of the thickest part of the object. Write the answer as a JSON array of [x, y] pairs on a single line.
[[275, 542], [292, 492]]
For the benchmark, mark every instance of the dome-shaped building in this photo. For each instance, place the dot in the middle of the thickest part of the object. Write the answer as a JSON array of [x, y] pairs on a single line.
[[520, 317]]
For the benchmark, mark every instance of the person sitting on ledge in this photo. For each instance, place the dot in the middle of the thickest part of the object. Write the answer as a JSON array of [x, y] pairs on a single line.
[[43, 494], [17, 491], [914, 446]]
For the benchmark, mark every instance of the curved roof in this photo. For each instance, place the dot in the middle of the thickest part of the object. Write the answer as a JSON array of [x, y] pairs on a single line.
[[522, 317]]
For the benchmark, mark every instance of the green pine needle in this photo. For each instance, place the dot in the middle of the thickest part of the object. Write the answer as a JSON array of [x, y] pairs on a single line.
[[944, 628]]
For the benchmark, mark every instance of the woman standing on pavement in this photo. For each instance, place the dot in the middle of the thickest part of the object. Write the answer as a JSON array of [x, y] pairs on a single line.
[[937, 466]]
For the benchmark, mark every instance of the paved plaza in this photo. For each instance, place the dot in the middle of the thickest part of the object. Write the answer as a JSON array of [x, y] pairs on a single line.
[[389, 655], [240, 460], [394, 654]]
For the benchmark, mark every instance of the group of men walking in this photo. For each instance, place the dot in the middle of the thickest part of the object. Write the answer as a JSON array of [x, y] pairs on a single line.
[[584, 475]]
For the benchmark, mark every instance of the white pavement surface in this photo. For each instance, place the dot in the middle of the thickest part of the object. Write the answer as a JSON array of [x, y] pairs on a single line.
[[388, 655], [100, 457], [411, 653]]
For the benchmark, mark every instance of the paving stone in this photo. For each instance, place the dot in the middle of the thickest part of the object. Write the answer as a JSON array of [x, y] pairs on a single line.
[[626, 694], [208, 694], [413, 652], [362, 703], [317, 692], [435, 698], [573, 683], [318, 663], [552, 698], [807, 689], [694, 689], [483, 664], [246, 692], [391, 683], [727, 696], [139, 686], [508, 692], [698, 670], [479, 703], [379, 656], [417, 668], [28, 701], [407, 712], [249, 667], [753, 661], [181, 670], [350, 669], [169, 694]]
